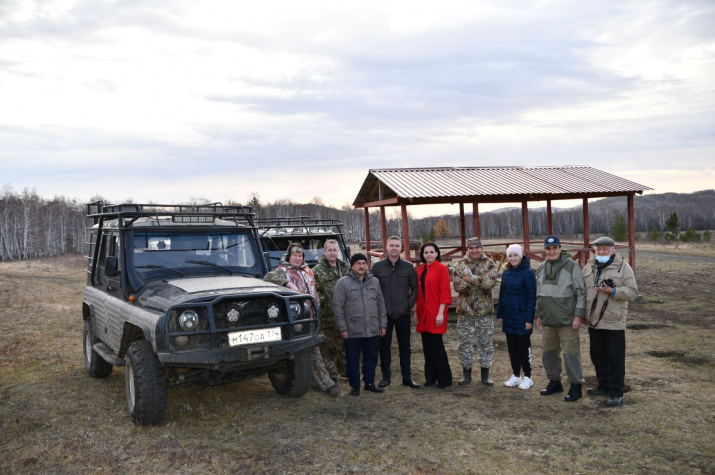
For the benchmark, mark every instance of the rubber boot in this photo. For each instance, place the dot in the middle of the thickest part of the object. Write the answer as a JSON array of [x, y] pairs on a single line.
[[485, 377], [466, 378]]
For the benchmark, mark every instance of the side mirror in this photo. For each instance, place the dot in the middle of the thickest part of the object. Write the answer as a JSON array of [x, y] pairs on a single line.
[[110, 266]]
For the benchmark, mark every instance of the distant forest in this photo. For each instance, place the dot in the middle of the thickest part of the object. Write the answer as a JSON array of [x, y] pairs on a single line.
[[32, 226]]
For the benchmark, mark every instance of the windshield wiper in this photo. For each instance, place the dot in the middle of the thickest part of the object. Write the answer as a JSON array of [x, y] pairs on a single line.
[[159, 266], [209, 263]]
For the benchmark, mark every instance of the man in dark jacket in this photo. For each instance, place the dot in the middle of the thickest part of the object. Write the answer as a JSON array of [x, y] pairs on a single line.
[[398, 281], [560, 307], [360, 315]]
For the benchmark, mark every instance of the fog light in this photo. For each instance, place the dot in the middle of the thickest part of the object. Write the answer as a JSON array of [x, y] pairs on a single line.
[[273, 311], [181, 340], [298, 327], [233, 315], [189, 320]]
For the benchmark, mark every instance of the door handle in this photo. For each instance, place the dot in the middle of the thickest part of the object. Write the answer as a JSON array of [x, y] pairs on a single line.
[[111, 289]]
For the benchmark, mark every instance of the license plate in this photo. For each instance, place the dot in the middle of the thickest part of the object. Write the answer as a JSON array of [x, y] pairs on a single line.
[[254, 336]]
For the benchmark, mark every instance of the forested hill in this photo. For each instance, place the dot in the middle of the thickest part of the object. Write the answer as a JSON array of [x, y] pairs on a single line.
[[32, 226], [705, 198]]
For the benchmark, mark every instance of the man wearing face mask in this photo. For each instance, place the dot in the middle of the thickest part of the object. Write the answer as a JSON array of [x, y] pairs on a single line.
[[610, 285]]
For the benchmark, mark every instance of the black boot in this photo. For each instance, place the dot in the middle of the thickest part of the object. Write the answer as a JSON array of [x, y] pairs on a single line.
[[574, 393], [552, 387], [466, 378], [485, 377]]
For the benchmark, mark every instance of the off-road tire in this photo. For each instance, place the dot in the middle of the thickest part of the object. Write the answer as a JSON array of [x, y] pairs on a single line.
[[145, 384], [292, 378], [94, 364]]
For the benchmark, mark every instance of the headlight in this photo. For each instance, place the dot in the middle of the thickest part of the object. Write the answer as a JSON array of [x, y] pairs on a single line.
[[189, 320], [295, 309]]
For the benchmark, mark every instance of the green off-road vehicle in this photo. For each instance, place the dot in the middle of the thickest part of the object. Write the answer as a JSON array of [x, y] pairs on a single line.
[[175, 295]]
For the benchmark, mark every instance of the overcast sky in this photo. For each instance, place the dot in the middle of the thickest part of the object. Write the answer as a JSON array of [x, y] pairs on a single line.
[[167, 100]]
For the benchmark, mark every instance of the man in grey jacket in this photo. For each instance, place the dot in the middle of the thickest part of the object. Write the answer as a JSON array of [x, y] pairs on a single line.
[[398, 281], [560, 307], [610, 285], [359, 310]]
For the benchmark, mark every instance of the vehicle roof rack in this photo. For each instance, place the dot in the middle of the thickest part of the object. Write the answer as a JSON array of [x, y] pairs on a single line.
[[99, 210], [309, 225]]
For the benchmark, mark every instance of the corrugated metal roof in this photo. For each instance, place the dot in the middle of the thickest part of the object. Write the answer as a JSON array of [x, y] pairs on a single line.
[[492, 182]]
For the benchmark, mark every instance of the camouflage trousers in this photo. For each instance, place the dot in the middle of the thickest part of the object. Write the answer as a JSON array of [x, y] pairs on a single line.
[[483, 327], [333, 352], [566, 340], [321, 378]]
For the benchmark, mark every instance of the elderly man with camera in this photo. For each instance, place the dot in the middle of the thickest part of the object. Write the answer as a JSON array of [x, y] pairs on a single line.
[[610, 285]]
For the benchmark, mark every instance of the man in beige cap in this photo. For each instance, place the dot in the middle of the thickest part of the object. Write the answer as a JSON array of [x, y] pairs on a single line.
[[610, 284]]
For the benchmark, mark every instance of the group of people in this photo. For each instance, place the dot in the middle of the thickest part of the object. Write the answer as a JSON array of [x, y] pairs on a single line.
[[363, 308]]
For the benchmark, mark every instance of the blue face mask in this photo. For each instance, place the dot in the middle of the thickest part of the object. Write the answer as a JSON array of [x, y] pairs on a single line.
[[602, 259]]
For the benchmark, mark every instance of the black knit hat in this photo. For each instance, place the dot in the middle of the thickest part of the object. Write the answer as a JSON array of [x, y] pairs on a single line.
[[357, 257]]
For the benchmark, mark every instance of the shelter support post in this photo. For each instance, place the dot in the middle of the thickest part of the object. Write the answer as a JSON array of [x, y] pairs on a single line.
[[383, 228], [549, 219], [525, 227], [586, 237], [367, 234], [475, 220], [405, 231], [631, 233], [462, 228]]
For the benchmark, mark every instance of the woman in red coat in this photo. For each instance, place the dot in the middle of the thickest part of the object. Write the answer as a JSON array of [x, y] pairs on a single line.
[[433, 297]]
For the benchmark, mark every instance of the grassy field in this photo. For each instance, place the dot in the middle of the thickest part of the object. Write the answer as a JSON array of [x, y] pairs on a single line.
[[56, 419]]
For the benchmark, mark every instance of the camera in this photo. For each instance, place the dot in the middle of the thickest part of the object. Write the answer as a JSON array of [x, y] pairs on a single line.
[[608, 282]]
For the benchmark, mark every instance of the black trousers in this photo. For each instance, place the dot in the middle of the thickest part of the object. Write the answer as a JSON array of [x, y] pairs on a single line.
[[608, 354], [436, 362], [519, 353], [402, 327]]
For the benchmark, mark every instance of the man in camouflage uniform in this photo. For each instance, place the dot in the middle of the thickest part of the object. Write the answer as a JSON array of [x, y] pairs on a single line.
[[327, 272], [473, 278]]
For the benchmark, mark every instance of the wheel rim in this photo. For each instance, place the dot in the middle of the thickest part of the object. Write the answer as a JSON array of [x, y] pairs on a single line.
[[87, 349], [281, 371], [130, 396]]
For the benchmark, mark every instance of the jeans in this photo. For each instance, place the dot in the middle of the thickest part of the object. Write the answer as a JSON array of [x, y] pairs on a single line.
[[368, 346]]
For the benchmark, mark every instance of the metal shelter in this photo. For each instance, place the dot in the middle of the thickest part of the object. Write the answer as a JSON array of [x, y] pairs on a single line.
[[474, 185]]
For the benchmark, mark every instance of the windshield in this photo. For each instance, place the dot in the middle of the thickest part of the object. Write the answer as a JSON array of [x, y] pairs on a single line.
[[277, 247], [229, 251]]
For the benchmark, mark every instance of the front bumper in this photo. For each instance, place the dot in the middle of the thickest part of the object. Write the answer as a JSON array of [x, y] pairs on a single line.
[[249, 356]]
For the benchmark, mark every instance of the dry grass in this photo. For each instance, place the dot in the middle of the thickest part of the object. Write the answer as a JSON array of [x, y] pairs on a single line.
[[55, 419]]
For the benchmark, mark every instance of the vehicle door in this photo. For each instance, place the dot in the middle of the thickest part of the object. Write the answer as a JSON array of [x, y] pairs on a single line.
[[109, 285]]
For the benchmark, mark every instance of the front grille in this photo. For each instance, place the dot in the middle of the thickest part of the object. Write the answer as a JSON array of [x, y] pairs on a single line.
[[241, 313]]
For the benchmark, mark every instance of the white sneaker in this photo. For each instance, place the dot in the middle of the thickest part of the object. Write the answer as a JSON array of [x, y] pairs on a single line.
[[513, 381], [526, 383]]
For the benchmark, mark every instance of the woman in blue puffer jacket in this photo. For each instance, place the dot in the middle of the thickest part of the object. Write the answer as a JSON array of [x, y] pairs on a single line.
[[517, 302]]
